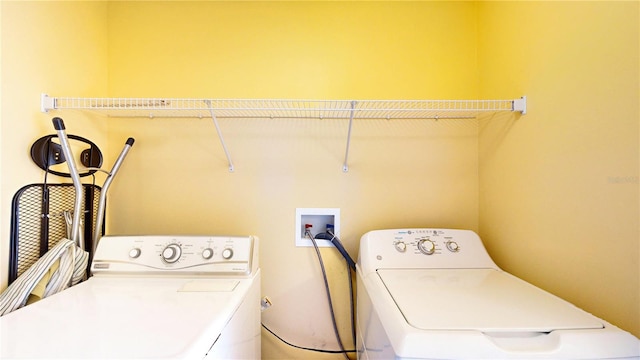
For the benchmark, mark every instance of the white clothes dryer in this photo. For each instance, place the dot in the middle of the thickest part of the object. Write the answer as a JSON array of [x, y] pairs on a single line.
[[436, 294], [153, 297]]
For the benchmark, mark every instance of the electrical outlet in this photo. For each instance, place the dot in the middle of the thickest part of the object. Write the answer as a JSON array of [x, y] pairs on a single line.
[[318, 218]]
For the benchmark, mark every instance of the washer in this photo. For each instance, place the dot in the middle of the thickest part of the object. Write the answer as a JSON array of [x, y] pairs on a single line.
[[436, 294], [160, 297]]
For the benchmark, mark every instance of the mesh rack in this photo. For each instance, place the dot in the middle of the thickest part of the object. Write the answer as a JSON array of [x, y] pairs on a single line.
[[38, 222]]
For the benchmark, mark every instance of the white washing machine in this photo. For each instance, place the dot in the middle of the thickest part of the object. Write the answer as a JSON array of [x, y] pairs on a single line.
[[436, 294], [151, 297]]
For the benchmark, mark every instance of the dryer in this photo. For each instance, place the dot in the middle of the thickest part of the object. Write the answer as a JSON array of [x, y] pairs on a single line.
[[437, 294], [160, 297]]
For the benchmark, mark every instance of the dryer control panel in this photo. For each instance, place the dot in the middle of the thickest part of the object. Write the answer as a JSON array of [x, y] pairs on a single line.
[[176, 255], [422, 248]]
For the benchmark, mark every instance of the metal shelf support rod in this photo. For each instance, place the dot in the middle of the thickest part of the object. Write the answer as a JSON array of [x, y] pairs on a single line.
[[345, 166], [224, 146]]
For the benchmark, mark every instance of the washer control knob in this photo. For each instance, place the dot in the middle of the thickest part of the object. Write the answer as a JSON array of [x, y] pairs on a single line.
[[135, 253], [171, 253], [400, 246], [453, 246], [207, 253], [426, 246], [227, 253]]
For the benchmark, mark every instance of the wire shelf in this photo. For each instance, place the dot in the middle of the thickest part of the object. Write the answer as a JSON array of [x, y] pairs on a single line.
[[283, 108]]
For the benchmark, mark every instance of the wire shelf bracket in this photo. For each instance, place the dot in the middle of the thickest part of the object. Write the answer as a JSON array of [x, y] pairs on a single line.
[[283, 109], [345, 165], [224, 146]]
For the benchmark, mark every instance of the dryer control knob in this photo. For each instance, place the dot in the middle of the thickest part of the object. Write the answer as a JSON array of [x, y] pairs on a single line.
[[171, 253], [426, 246], [207, 253], [453, 246], [227, 253], [135, 253], [401, 246]]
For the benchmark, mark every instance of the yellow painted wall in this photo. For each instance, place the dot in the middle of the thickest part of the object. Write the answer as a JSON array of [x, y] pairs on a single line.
[[52, 47], [559, 187], [554, 185], [292, 49], [402, 173]]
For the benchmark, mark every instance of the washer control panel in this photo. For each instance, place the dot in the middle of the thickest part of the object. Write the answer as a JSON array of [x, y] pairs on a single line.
[[422, 248], [203, 255], [425, 242], [430, 242]]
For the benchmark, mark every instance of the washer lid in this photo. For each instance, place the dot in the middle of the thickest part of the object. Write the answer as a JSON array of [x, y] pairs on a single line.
[[486, 300]]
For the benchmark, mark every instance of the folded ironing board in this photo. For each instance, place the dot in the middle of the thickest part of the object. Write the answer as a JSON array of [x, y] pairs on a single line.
[[66, 263]]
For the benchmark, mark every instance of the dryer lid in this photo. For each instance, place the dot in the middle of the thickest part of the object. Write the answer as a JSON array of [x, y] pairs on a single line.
[[487, 300]]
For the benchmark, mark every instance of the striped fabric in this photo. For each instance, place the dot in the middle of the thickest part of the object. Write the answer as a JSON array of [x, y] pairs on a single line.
[[72, 265]]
